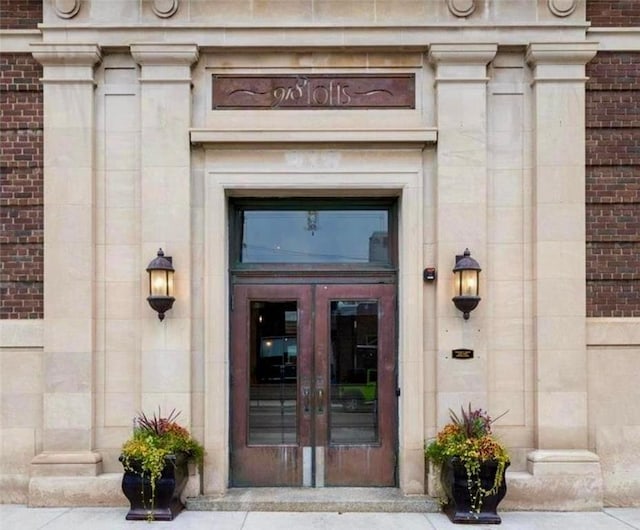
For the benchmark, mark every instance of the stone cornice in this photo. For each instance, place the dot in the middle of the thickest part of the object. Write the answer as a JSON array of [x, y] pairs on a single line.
[[615, 39], [608, 39], [162, 54], [18, 40], [398, 38], [66, 54], [561, 53]]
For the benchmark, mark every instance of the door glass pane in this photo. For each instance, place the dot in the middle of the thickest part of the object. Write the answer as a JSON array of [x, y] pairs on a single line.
[[273, 373], [354, 372], [315, 236]]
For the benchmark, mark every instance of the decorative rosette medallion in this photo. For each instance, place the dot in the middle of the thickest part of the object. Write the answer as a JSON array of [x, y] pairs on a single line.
[[164, 8], [562, 8], [66, 8], [461, 8]]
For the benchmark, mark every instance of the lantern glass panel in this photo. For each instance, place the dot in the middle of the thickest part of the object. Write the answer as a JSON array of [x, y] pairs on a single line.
[[169, 283], [158, 283], [469, 283]]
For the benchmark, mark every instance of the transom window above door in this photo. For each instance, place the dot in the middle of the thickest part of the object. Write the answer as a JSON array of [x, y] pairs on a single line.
[[350, 232]]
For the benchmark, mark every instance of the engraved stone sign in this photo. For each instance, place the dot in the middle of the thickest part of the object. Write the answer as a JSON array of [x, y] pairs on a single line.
[[314, 91]]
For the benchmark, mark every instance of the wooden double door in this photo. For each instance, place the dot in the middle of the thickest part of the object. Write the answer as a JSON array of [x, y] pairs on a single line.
[[313, 385]]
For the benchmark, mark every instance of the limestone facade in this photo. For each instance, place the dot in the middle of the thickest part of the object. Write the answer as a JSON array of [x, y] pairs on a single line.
[[491, 158]]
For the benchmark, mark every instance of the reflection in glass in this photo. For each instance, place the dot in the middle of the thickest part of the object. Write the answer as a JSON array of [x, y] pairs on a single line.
[[315, 236], [354, 372], [273, 359]]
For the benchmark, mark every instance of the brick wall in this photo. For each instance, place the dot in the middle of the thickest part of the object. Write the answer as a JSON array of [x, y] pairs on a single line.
[[21, 187], [613, 184], [611, 13], [20, 14]]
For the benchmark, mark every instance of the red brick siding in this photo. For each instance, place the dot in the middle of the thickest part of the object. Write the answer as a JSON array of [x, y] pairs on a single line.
[[613, 185], [21, 188], [615, 299], [611, 13], [613, 108], [20, 14], [614, 71]]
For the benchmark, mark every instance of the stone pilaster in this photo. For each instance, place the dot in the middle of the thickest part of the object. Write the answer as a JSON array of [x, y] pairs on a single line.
[[165, 196], [69, 261], [559, 243], [461, 218]]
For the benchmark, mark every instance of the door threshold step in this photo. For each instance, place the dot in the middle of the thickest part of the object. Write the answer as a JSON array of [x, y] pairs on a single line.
[[314, 500]]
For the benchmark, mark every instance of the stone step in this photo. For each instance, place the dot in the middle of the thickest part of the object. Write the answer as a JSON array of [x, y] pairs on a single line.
[[314, 500]]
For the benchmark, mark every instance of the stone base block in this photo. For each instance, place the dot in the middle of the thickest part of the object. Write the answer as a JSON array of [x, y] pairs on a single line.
[[14, 489], [412, 471], [103, 490], [619, 448], [568, 480]]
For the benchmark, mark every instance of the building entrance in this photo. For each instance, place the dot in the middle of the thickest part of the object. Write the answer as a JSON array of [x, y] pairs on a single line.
[[313, 385]]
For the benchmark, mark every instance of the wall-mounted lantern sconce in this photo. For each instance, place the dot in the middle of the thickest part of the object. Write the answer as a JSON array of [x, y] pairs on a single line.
[[161, 284], [466, 277]]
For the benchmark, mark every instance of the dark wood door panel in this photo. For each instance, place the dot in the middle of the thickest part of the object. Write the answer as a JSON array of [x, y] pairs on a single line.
[[313, 370], [269, 426]]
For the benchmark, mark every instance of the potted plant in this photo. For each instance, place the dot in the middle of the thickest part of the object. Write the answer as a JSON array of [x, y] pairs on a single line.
[[155, 462], [473, 465]]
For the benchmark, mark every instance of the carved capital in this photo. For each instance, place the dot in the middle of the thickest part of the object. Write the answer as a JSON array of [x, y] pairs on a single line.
[[462, 53], [62, 54], [161, 54], [567, 53], [560, 62]]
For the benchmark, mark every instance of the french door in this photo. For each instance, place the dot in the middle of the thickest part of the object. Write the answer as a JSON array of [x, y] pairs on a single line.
[[313, 385]]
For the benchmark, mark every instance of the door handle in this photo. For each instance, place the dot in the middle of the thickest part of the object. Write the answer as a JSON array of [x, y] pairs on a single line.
[[319, 400], [306, 399]]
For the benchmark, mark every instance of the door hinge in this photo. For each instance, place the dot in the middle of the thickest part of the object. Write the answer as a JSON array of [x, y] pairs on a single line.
[[397, 392]]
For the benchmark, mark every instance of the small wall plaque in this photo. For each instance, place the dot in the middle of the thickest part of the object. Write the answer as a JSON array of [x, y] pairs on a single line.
[[462, 353], [313, 91], [429, 274]]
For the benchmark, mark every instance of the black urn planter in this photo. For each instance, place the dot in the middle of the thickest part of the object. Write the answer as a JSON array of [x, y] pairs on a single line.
[[165, 505], [456, 486]]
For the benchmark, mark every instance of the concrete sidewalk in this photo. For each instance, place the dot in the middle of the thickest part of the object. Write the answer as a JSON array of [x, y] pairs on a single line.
[[18, 517]]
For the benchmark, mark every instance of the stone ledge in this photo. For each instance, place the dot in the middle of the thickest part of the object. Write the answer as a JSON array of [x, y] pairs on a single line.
[[67, 457], [22, 333], [605, 331], [66, 464], [315, 500], [562, 456], [346, 136]]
